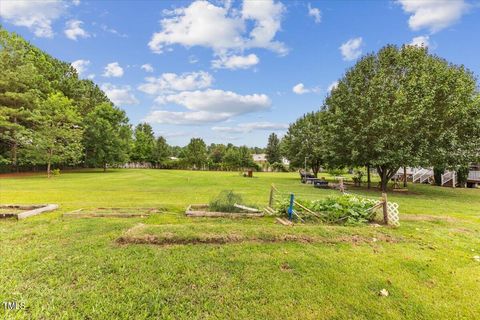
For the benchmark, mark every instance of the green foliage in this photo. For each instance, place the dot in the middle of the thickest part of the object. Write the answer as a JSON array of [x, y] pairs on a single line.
[[279, 167], [56, 172], [224, 202], [196, 153], [403, 107], [29, 78], [305, 141], [273, 149], [345, 209], [462, 175], [107, 136], [358, 177], [143, 144], [57, 137], [161, 151]]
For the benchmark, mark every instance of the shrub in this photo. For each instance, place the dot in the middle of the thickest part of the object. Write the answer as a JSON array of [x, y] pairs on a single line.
[[224, 202], [279, 167], [358, 177], [56, 172]]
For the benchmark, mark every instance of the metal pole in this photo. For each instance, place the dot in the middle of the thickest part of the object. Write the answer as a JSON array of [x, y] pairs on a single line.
[[290, 208]]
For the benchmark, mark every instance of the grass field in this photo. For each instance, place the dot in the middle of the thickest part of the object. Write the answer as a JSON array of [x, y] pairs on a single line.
[[173, 267]]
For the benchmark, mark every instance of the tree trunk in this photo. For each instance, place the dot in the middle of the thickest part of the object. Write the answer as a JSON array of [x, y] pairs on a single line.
[[104, 167], [315, 169], [386, 174], [14, 149], [404, 177], [48, 169], [369, 181]]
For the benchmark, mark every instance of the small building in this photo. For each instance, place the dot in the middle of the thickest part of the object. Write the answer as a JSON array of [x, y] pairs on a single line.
[[259, 158]]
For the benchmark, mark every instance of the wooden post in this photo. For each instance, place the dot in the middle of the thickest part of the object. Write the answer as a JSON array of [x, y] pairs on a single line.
[[385, 207], [368, 177], [404, 177], [270, 201], [341, 186]]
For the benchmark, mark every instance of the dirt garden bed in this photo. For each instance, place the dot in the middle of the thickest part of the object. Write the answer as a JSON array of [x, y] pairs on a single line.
[[24, 211], [112, 213], [202, 210]]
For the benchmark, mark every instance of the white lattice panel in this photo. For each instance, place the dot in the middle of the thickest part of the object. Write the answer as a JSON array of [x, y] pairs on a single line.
[[393, 214]]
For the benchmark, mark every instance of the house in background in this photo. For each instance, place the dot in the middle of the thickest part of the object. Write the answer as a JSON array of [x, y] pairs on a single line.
[[260, 158]]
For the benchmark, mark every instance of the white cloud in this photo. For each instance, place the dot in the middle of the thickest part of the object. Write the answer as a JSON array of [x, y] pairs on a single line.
[[147, 67], [351, 49], [332, 86], [252, 126], [76, 2], [221, 28], [207, 106], [80, 65], [119, 95], [169, 82], [185, 118], [73, 30], [113, 69], [315, 13], [434, 15], [91, 76], [37, 16], [421, 41], [300, 88], [235, 62], [267, 15]]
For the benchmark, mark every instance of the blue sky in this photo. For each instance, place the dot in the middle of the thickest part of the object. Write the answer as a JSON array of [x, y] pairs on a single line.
[[233, 71]]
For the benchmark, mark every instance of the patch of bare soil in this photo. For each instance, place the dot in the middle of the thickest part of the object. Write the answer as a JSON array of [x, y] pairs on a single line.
[[172, 239], [18, 174]]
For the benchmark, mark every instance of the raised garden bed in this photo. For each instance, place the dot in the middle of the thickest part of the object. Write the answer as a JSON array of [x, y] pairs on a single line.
[[112, 213], [201, 210], [24, 211]]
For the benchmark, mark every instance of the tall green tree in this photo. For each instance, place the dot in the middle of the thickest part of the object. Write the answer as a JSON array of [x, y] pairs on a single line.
[[107, 136], [57, 138], [403, 107], [196, 153], [161, 151], [273, 149], [143, 143], [305, 143]]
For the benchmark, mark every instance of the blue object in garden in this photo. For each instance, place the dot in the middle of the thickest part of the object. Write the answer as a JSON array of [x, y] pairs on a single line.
[[290, 207]]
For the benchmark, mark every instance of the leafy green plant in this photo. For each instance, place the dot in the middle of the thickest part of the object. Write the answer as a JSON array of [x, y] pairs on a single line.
[[56, 172], [279, 167], [358, 177], [224, 202], [345, 209]]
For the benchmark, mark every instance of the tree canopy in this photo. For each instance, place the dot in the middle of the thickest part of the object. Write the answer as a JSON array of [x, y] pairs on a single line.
[[403, 107], [305, 142]]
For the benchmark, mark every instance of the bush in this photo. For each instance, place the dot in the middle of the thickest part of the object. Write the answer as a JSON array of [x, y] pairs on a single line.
[[358, 177], [462, 176], [345, 209], [279, 167], [225, 201], [336, 171], [56, 172]]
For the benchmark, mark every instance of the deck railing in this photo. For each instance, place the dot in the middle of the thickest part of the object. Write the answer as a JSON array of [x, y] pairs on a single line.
[[474, 175]]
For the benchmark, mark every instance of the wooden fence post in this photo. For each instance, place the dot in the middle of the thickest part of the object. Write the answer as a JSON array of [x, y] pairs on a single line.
[[385, 207], [270, 201]]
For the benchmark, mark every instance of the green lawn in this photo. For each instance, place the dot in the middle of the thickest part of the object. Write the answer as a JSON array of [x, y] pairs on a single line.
[[198, 268]]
